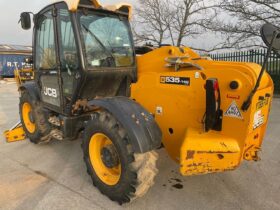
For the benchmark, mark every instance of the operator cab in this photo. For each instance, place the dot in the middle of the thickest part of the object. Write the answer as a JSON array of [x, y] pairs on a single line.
[[81, 54]]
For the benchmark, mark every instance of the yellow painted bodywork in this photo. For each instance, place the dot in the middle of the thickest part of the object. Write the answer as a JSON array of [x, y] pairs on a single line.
[[15, 134], [179, 109]]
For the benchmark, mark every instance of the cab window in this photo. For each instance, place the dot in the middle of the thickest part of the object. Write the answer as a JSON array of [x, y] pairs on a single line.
[[45, 42], [107, 40]]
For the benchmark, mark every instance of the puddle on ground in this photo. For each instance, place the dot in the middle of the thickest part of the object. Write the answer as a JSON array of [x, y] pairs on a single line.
[[174, 183], [178, 186]]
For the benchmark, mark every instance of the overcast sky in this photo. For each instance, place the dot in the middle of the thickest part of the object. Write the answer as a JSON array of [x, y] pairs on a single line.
[[10, 30]]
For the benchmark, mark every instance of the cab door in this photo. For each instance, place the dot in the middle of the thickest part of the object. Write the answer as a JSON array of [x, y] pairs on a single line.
[[70, 71], [46, 59]]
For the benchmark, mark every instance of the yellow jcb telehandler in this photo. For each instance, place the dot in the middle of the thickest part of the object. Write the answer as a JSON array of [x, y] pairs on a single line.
[[208, 115]]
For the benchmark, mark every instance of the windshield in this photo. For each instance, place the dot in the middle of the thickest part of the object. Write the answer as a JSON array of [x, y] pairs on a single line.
[[107, 40]]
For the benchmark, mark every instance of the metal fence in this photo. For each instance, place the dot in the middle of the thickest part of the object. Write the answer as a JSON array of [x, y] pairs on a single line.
[[255, 56]]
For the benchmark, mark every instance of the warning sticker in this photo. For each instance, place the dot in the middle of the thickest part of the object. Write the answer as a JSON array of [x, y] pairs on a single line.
[[258, 119], [233, 111]]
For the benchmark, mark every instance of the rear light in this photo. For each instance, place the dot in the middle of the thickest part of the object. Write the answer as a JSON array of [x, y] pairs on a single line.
[[216, 85], [213, 116], [216, 90]]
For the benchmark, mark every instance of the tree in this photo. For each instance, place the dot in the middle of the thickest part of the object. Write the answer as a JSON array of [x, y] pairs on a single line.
[[171, 21], [152, 16], [241, 26]]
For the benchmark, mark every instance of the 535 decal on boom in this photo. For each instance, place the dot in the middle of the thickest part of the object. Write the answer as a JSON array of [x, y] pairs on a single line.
[[175, 80]]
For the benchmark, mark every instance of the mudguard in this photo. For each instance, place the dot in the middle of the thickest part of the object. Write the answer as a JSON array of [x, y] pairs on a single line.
[[31, 88], [140, 125]]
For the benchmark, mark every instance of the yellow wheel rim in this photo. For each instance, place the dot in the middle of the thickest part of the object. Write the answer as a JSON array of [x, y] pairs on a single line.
[[26, 112], [109, 176]]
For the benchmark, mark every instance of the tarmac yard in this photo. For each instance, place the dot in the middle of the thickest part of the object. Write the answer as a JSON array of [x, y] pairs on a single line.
[[53, 176]]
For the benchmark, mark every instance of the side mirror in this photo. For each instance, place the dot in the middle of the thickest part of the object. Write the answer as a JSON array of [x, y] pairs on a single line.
[[25, 20], [268, 31]]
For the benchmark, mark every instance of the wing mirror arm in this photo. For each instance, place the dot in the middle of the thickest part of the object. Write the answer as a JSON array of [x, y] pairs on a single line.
[[248, 101]]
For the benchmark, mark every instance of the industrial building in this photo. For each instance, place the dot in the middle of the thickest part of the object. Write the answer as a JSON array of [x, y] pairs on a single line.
[[12, 57]]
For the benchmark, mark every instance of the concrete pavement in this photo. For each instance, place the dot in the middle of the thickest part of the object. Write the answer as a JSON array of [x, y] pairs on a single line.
[[53, 176]]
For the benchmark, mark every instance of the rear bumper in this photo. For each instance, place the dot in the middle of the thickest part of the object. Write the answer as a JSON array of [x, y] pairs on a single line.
[[203, 153], [209, 152]]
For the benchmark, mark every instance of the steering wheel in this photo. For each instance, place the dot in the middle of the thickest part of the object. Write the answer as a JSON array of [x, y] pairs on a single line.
[[105, 60]]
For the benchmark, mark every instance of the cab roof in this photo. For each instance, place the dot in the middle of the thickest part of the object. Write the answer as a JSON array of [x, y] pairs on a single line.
[[120, 7]]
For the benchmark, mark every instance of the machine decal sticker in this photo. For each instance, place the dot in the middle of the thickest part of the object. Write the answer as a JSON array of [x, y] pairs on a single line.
[[233, 111], [236, 97], [258, 119], [50, 92], [175, 80], [262, 103]]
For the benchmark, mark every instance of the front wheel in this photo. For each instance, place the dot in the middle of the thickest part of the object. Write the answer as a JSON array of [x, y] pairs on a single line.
[[115, 169], [33, 118]]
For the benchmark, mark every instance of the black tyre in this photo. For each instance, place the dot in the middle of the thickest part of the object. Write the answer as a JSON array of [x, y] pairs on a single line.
[[115, 169], [33, 118]]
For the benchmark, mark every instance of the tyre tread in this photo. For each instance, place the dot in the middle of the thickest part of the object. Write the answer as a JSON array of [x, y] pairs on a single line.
[[142, 167]]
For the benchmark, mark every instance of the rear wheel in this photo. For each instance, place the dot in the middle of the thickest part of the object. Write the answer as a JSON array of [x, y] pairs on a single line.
[[34, 121], [115, 169]]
